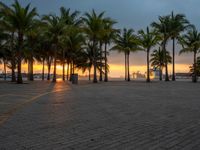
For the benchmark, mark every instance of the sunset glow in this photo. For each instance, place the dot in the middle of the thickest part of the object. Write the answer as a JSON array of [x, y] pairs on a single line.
[[115, 70]]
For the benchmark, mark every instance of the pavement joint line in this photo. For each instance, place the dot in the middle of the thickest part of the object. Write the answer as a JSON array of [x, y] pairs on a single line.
[[4, 95], [14, 95], [5, 116]]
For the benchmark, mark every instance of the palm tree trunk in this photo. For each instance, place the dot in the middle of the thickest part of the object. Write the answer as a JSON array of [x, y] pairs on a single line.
[[173, 61], [13, 73], [94, 63], [101, 67], [73, 68], [13, 63], [166, 65], [55, 63], [128, 67], [125, 67], [43, 69], [106, 71], [68, 70], [89, 74], [4, 65], [30, 70], [63, 63], [148, 74], [19, 75], [63, 77], [166, 73], [160, 73], [49, 68], [70, 78], [194, 78], [95, 72], [54, 70], [19, 59]]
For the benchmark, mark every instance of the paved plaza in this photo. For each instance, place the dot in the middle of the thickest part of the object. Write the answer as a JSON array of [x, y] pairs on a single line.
[[115, 115]]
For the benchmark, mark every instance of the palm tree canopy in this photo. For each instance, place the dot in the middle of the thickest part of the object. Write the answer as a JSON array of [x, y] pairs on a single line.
[[157, 58], [126, 41], [94, 24], [148, 39], [178, 23], [55, 26], [163, 26], [108, 32], [70, 18], [20, 17], [190, 41]]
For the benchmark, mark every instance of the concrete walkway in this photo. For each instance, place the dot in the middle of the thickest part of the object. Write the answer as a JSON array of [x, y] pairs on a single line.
[[113, 115]]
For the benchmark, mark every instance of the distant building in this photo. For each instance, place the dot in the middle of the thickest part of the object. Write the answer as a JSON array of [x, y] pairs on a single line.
[[154, 73], [138, 75], [183, 75]]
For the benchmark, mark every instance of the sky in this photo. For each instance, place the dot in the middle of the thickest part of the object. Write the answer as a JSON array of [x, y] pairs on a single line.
[[136, 14]]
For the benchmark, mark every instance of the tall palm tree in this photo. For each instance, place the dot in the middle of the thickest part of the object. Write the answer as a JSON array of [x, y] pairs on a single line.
[[148, 39], [93, 26], [86, 62], [163, 27], [157, 60], [7, 25], [33, 37], [74, 43], [126, 42], [22, 19], [73, 22], [191, 44], [70, 18], [178, 24], [4, 51], [108, 35], [197, 67], [105, 38], [55, 28]]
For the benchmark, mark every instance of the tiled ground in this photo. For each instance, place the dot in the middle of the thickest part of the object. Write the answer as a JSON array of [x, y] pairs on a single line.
[[114, 115]]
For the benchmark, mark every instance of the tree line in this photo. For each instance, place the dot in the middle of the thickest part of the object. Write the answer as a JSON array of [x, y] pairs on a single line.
[[83, 41]]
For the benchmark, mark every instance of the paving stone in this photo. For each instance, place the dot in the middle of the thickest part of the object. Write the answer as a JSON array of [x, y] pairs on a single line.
[[113, 115]]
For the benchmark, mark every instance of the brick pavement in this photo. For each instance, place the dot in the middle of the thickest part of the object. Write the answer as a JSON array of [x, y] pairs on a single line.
[[114, 115]]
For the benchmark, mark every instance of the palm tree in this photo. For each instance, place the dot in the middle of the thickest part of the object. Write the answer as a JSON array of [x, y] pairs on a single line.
[[22, 19], [197, 67], [126, 42], [191, 43], [108, 36], [85, 61], [32, 45], [93, 26], [105, 37], [178, 24], [7, 25], [148, 39], [55, 28], [163, 27], [70, 18], [157, 60], [74, 43], [4, 51], [73, 22]]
